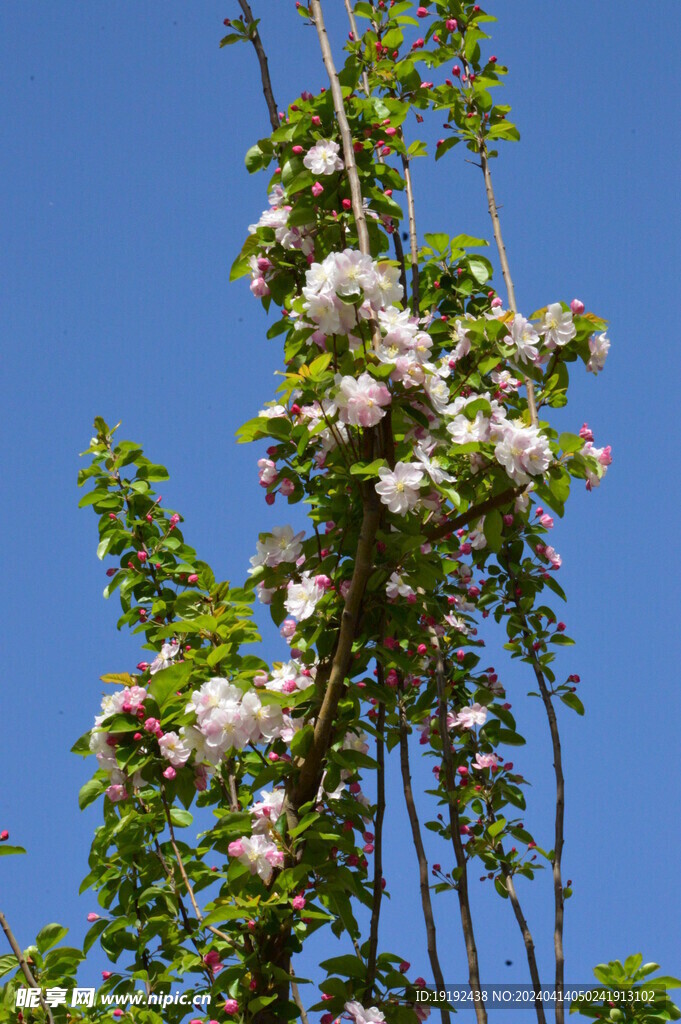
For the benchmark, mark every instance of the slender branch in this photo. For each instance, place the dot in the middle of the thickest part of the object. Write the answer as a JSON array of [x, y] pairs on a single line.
[[527, 939], [399, 251], [344, 128], [262, 61], [413, 238], [353, 27], [310, 773], [25, 969], [501, 248], [475, 512], [295, 992], [459, 852], [178, 857], [503, 259], [422, 861], [559, 839], [522, 924], [378, 841]]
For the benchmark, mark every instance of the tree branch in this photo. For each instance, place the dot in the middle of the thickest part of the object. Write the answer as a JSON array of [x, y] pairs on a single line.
[[422, 861], [344, 128], [413, 238], [522, 924], [295, 992], [25, 969], [378, 841], [310, 772], [559, 839], [475, 512], [262, 61], [459, 852], [503, 259]]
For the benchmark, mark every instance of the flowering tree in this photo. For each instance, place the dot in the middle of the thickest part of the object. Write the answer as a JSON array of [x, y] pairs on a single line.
[[414, 421]]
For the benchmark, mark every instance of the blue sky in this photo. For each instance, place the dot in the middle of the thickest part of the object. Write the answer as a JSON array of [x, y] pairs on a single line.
[[125, 199]]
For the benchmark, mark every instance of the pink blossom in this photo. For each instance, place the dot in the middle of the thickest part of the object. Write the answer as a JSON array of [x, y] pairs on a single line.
[[360, 400], [354, 1011], [483, 761], [468, 717], [231, 1007], [298, 902], [317, 189], [116, 793], [169, 773], [212, 961], [267, 472]]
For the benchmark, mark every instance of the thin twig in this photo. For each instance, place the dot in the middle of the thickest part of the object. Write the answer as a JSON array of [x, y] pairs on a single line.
[[310, 773], [503, 259], [501, 248], [459, 852], [378, 841], [262, 61], [344, 128], [180, 862], [558, 900], [522, 923], [295, 992], [426, 903], [475, 512], [399, 251], [25, 969], [413, 238]]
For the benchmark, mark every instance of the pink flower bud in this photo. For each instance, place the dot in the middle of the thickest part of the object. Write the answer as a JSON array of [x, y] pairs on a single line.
[[451, 24], [298, 902], [142, 555], [152, 724], [405, 965], [231, 1007], [192, 578], [169, 773], [106, 975], [317, 189], [577, 307], [92, 917]]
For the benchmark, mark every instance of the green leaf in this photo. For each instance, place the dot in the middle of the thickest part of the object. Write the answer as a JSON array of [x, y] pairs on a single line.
[[348, 966], [570, 443], [49, 936], [166, 682], [573, 701], [8, 851], [496, 827], [181, 818], [493, 527], [367, 469], [90, 791], [7, 963]]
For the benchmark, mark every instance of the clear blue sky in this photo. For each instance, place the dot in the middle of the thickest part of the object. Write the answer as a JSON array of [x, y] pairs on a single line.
[[124, 201]]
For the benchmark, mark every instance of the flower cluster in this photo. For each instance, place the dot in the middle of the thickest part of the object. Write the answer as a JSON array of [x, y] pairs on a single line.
[[276, 219], [258, 851], [346, 288], [227, 720]]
